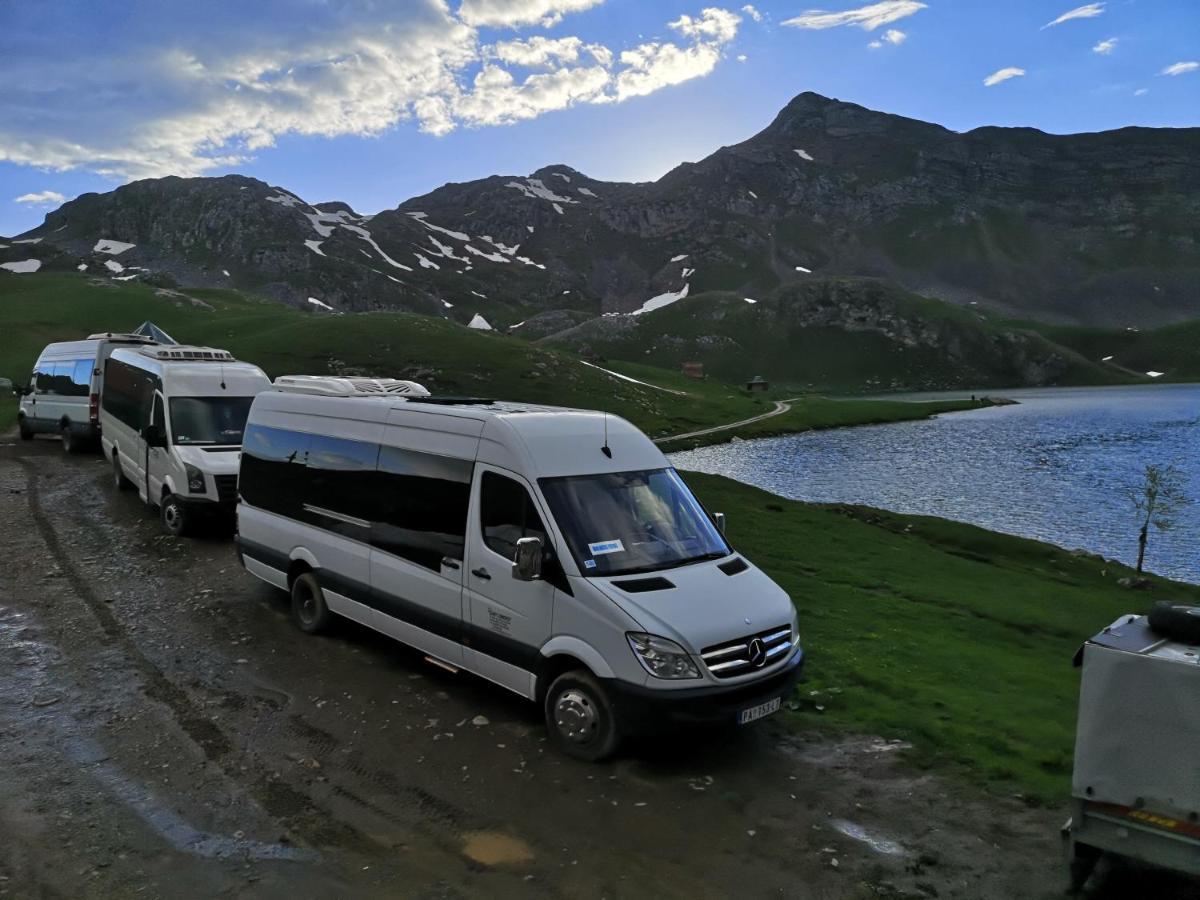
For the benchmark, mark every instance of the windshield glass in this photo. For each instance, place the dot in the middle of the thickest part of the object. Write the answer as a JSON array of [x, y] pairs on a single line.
[[209, 420], [626, 522]]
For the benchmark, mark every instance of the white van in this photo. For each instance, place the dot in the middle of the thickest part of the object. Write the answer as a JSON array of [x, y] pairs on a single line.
[[171, 421], [63, 394], [553, 551]]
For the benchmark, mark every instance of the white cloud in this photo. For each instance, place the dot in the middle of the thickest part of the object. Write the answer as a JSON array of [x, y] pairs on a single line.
[[1180, 68], [714, 24], [511, 13], [41, 198], [651, 67], [1003, 75], [741, 57], [867, 17], [752, 12], [875, 45], [1105, 47], [1089, 11], [895, 36], [222, 91], [1141, 92]]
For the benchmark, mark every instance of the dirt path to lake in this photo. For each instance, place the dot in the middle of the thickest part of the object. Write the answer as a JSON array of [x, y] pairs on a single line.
[[781, 406], [165, 730]]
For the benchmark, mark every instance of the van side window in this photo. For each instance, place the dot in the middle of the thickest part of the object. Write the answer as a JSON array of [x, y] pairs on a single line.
[[507, 514], [273, 473], [81, 377], [128, 393], [341, 478], [425, 501]]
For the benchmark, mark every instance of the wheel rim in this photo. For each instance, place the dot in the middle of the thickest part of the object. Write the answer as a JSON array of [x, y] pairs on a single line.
[[172, 516], [576, 716], [307, 609]]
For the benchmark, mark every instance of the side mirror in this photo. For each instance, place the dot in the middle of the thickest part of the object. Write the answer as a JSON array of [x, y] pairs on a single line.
[[527, 560], [719, 521]]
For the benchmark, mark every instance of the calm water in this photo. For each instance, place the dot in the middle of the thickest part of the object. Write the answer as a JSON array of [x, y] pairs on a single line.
[[1056, 467]]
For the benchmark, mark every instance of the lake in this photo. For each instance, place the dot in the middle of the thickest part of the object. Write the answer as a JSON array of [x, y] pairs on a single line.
[[1056, 467]]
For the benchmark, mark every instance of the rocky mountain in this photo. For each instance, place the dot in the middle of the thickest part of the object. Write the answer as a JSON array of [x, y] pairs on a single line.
[[1095, 229]]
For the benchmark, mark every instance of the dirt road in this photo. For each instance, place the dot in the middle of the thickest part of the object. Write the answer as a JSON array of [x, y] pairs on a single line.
[[165, 732], [781, 406]]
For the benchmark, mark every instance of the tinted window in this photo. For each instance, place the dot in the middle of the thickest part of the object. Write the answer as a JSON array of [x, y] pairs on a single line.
[[341, 479], [424, 506], [128, 393], [81, 377], [272, 472], [507, 514]]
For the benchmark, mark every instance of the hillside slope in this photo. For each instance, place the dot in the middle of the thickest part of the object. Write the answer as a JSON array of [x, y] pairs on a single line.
[[1095, 229]]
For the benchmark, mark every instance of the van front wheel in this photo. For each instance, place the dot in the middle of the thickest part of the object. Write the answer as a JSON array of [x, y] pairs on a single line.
[[175, 519], [311, 614], [579, 717]]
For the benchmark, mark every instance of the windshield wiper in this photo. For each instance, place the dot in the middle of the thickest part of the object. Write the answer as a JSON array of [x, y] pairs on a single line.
[[672, 564]]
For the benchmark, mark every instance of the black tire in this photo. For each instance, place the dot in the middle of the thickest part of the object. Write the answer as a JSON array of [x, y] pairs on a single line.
[[579, 717], [26, 431], [1176, 621], [71, 444], [174, 517], [120, 482], [309, 610]]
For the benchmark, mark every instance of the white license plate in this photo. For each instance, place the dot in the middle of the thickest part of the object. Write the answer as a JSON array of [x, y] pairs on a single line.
[[760, 711]]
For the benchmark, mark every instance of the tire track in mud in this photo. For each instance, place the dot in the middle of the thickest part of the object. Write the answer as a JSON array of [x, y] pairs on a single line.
[[415, 810]]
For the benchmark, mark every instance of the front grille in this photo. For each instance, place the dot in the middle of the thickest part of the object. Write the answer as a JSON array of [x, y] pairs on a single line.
[[226, 488], [750, 653]]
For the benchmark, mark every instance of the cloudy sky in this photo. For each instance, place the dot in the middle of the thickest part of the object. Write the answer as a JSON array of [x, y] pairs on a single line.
[[373, 102]]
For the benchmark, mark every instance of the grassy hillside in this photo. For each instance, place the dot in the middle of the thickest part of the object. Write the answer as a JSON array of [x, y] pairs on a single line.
[[446, 357], [840, 335], [954, 638], [1171, 350]]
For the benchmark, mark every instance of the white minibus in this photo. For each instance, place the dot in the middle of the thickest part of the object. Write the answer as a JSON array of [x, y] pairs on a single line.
[[171, 422], [63, 394], [555, 552]]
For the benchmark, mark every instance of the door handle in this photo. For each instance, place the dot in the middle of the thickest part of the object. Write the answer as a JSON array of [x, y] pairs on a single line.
[[448, 563], [481, 573]]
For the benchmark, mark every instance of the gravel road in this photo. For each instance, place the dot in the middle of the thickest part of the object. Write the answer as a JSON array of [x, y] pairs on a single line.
[[165, 732]]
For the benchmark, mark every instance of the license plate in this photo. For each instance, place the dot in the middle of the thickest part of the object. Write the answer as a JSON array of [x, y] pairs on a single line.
[[760, 711]]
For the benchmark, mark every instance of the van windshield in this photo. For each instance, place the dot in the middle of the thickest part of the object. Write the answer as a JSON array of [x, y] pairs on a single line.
[[209, 420], [627, 522]]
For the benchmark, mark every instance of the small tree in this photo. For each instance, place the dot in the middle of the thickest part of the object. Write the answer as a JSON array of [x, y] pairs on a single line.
[[1158, 498]]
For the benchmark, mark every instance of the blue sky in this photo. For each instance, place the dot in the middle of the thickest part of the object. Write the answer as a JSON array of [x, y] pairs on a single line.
[[375, 102]]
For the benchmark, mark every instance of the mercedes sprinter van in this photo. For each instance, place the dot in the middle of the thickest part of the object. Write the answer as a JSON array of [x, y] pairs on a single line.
[[555, 552], [171, 422], [63, 394]]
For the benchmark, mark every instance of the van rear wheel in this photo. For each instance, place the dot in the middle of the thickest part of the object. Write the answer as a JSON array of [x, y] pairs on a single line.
[[71, 444], [26, 431], [309, 610], [579, 717]]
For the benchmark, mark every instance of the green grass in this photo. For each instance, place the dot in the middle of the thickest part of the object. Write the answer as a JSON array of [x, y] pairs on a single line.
[[1170, 350], [954, 638]]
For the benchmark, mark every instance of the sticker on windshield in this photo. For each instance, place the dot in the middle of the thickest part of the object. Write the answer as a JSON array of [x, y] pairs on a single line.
[[602, 547], [589, 564]]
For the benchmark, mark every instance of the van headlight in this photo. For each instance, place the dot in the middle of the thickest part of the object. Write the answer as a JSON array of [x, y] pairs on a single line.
[[195, 479], [662, 658]]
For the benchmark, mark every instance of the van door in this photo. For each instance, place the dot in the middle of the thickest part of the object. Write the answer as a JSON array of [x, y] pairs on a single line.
[[510, 620], [418, 554], [157, 459]]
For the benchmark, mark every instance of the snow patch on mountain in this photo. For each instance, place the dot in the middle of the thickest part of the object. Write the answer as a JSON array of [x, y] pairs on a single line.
[[661, 300], [535, 189], [633, 380], [479, 323], [680, 258], [447, 251], [315, 247], [315, 302], [425, 262], [366, 236], [687, 273], [105, 245], [457, 235], [566, 178], [113, 266], [803, 154], [285, 199], [24, 266], [586, 192], [28, 241], [494, 257], [804, 270]]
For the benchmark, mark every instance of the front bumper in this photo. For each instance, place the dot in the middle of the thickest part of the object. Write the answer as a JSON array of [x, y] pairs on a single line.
[[642, 710], [207, 506]]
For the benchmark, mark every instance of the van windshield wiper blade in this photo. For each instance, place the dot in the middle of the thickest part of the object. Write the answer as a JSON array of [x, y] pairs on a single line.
[[672, 564]]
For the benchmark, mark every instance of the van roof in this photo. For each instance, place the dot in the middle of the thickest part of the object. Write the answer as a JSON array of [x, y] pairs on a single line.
[[177, 352]]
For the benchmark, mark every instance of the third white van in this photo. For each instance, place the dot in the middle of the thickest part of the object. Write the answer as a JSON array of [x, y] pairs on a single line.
[[555, 552], [171, 421]]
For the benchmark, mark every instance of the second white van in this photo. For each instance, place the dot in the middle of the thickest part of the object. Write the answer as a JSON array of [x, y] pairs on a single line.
[[171, 422], [555, 552]]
